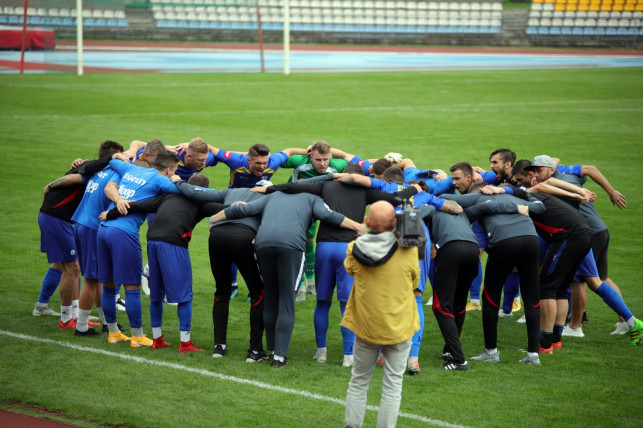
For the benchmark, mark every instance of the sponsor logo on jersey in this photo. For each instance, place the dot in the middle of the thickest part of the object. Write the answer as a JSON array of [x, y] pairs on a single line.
[[227, 155]]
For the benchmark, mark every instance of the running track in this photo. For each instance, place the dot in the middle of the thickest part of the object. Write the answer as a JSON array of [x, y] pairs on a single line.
[[217, 58]]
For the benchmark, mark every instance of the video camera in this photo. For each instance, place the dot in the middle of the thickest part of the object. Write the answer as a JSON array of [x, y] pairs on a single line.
[[410, 228]]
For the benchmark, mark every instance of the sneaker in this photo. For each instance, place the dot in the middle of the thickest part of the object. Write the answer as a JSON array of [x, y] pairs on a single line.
[[573, 332], [46, 311], [219, 351], [549, 350], [138, 341], [446, 356], [473, 307], [621, 328], [557, 345], [301, 294], [320, 355], [485, 356], [452, 365], [120, 304], [188, 346], [91, 323], [636, 334], [117, 337], [89, 332], [502, 314], [159, 343], [311, 289], [348, 361], [516, 306], [120, 327], [277, 363], [585, 320], [381, 360], [413, 368], [521, 320], [235, 292], [255, 356], [534, 361], [429, 302], [69, 324]]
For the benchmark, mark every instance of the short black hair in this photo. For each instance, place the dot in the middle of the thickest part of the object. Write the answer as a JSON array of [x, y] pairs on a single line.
[[507, 155], [380, 165], [521, 167], [465, 167], [393, 174], [165, 159], [353, 168], [109, 147], [259, 150]]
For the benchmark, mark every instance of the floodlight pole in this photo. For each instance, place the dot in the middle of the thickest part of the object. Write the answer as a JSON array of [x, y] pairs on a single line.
[[286, 37], [79, 36]]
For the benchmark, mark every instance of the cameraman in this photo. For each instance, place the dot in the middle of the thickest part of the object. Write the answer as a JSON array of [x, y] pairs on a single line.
[[381, 310]]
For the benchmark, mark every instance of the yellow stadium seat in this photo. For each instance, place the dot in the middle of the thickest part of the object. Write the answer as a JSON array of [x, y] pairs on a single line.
[[572, 1], [606, 8], [619, 1], [639, 7], [618, 7], [571, 7], [583, 7], [560, 7], [594, 7], [583, 1], [537, 1], [629, 7]]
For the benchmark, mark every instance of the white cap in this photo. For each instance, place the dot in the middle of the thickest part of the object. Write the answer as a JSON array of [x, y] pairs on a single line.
[[264, 183]]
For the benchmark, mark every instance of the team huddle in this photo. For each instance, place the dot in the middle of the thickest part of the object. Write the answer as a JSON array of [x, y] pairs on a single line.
[[543, 237]]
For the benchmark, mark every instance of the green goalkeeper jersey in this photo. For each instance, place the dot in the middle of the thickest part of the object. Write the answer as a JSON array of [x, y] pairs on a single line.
[[303, 167]]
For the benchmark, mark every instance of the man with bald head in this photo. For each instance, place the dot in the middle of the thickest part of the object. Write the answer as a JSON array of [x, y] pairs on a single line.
[[381, 311]]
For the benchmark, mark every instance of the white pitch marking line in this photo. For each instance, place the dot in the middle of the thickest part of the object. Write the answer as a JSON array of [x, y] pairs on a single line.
[[208, 373]]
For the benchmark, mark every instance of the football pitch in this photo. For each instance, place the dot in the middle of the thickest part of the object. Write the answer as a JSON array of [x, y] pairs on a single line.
[[437, 118]]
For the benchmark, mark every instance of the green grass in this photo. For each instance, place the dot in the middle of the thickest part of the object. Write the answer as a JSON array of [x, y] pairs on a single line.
[[582, 116]]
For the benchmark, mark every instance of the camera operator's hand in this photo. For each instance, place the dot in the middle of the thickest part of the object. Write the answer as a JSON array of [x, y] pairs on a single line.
[[523, 209]]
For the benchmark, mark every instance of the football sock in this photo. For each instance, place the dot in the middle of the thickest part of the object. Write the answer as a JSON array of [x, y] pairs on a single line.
[[133, 309], [101, 314], [474, 290], [614, 300], [511, 290], [310, 259], [156, 332], [49, 284], [65, 313], [546, 339], [83, 318], [74, 308], [558, 332], [108, 304], [416, 341], [348, 337], [321, 322], [156, 313], [185, 336], [184, 312]]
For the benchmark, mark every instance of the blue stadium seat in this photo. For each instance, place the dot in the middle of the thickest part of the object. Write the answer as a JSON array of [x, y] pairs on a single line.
[[610, 31], [589, 31], [543, 31], [89, 22], [532, 31], [633, 31], [555, 31], [122, 22], [600, 31], [566, 31], [101, 22], [577, 31]]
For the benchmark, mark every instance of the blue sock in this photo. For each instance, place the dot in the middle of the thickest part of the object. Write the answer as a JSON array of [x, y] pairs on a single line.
[[348, 336], [49, 284], [511, 289], [108, 303], [417, 337], [184, 311], [474, 290], [321, 322], [133, 308], [614, 300], [156, 313]]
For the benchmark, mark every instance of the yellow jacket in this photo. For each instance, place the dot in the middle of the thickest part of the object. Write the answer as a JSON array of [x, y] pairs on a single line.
[[381, 308]]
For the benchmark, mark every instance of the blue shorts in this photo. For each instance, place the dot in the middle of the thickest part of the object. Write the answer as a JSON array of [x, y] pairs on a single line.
[[587, 268], [120, 259], [87, 243], [170, 272], [57, 239], [330, 270]]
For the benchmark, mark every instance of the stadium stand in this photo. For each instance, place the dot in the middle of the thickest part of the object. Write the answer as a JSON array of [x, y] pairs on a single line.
[[596, 20], [455, 22], [39, 14]]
